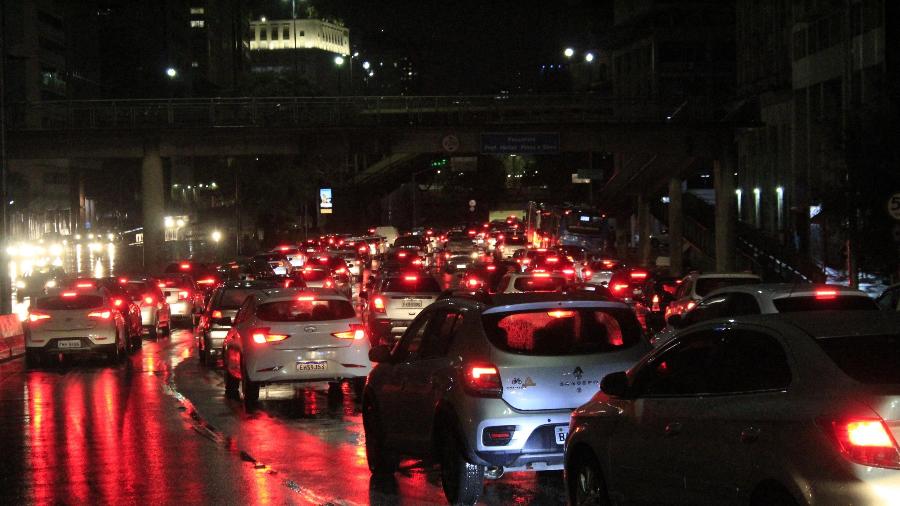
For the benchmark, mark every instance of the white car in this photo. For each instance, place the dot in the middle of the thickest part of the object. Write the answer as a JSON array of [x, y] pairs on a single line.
[[786, 409], [75, 322], [695, 286], [519, 282], [768, 298], [293, 336]]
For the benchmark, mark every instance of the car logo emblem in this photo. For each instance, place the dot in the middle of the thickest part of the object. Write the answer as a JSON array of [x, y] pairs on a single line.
[[311, 328], [578, 373]]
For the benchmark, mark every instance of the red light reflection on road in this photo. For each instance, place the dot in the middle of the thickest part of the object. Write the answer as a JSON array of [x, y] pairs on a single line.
[[41, 464]]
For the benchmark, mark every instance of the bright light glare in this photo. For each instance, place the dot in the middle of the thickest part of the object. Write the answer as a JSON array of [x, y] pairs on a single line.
[[216, 236], [338, 60], [171, 72], [589, 57], [569, 52]]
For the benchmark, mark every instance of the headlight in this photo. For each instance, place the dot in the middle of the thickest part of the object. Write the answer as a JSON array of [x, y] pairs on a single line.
[[20, 284], [474, 254], [50, 284]]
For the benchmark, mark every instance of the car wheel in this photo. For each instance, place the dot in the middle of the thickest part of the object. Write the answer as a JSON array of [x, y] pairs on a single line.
[[32, 359], [232, 384], [114, 356], [586, 485], [380, 460], [461, 480], [249, 390], [167, 330], [138, 342], [201, 353], [359, 384]]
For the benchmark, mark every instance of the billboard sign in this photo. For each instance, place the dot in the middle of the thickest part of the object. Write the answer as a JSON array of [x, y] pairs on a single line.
[[325, 204], [537, 143]]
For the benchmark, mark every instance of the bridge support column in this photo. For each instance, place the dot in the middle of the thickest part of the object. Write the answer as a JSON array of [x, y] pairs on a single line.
[[153, 196], [644, 229], [676, 233], [726, 218]]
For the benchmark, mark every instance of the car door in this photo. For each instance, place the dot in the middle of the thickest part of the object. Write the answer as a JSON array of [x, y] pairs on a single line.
[[427, 374], [733, 437], [647, 448], [397, 416]]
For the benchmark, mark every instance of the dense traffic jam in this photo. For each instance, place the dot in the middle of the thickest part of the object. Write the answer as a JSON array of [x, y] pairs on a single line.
[[491, 350]]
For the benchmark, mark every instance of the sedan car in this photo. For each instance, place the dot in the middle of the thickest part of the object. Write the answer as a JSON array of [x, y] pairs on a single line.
[[217, 317], [786, 409], [75, 322], [294, 336], [395, 301]]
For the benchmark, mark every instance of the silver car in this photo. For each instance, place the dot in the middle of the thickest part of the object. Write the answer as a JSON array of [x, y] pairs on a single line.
[[785, 409], [488, 388], [395, 301]]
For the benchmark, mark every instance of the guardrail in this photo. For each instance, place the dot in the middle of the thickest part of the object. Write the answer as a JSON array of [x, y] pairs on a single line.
[[12, 337], [348, 112]]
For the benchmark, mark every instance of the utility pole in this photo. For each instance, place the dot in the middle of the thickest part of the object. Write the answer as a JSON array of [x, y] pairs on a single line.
[[5, 282]]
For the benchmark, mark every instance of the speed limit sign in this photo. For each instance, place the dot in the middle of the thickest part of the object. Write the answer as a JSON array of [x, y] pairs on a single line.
[[894, 206]]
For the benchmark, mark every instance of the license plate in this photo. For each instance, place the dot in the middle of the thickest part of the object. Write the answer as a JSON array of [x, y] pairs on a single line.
[[313, 366], [460, 266], [69, 344], [411, 304], [562, 432]]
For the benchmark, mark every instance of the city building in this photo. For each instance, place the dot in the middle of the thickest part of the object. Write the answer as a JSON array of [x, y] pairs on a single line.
[[220, 46]]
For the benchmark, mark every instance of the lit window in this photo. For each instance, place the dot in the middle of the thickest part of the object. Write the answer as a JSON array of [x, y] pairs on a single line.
[[198, 10], [195, 64], [197, 23]]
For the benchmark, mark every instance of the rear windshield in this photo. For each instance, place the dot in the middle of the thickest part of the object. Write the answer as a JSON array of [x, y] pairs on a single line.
[[408, 241], [305, 311], [174, 283], [66, 303], [797, 304], [514, 240], [532, 284], [232, 298], [137, 290], [867, 359], [563, 331], [706, 285], [314, 275], [401, 285]]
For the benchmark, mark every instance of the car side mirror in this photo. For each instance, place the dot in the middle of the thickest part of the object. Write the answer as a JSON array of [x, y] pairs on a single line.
[[615, 384], [364, 295], [380, 353]]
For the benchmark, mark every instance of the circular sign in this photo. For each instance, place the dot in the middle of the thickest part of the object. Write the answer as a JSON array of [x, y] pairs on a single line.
[[472, 203], [450, 143], [894, 206]]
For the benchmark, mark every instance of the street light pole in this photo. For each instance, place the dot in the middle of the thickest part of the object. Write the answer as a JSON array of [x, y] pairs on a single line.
[[5, 282]]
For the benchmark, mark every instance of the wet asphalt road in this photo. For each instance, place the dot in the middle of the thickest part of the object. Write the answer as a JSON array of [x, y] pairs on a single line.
[[159, 430]]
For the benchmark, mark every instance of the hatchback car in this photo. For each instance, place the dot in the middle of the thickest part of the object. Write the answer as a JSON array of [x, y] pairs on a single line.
[[155, 315], [294, 336], [183, 296], [395, 301], [217, 317], [786, 409], [75, 322], [695, 286], [488, 388]]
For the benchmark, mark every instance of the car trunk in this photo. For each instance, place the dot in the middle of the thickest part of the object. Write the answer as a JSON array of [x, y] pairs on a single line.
[[406, 306], [66, 320], [312, 335]]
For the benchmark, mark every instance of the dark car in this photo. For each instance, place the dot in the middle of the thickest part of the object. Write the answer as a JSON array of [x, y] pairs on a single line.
[[218, 315]]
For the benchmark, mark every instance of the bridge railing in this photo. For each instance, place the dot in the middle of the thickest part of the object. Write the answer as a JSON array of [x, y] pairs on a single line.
[[299, 112]]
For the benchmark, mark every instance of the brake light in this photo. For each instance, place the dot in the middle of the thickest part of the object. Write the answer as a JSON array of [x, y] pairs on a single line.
[[161, 285], [100, 315], [123, 280], [362, 249], [619, 287], [216, 314], [149, 299], [491, 268], [68, 295], [185, 266], [410, 278], [84, 284], [262, 336], [526, 261], [328, 283], [118, 302], [471, 232], [306, 298], [482, 380], [447, 256], [417, 261], [473, 282], [541, 274], [866, 441], [36, 317], [378, 304], [552, 260], [569, 272], [638, 275], [587, 273], [691, 305], [826, 294], [206, 281], [183, 295], [561, 314], [608, 264], [356, 332], [340, 270], [654, 303], [283, 248], [402, 254]]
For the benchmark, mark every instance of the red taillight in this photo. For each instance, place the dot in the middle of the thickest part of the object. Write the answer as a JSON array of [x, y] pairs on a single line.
[[491, 268], [123, 280], [363, 249], [482, 380], [526, 261], [586, 273], [36, 317], [340, 270], [100, 315], [411, 279], [185, 266], [216, 314], [619, 287], [84, 284], [447, 256], [183, 295], [691, 305], [262, 336], [206, 281], [69, 294], [306, 298], [561, 314], [866, 441], [283, 248], [541, 274], [608, 264], [638, 275], [826, 294], [569, 272], [328, 283], [161, 285], [402, 254], [417, 261], [149, 299], [118, 302], [378, 304], [552, 260], [356, 332], [473, 282]]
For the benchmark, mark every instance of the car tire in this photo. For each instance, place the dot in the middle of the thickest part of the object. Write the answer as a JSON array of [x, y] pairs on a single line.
[[33, 359], [138, 342], [232, 384], [380, 459], [114, 356], [202, 356], [167, 330], [359, 385], [586, 484], [461, 480], [249, 390]]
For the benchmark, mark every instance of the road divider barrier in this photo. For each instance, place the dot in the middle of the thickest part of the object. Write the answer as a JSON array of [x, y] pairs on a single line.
[[12, 337]]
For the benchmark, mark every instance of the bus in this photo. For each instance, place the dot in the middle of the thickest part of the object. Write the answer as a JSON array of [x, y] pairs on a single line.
[[576, 226]]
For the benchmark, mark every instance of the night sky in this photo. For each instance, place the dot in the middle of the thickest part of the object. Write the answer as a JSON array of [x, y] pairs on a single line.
[[464, 46]]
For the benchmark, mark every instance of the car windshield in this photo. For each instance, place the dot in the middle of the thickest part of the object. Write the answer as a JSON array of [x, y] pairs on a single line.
[[707, 285], [539, 284], [423, 284], [867, 359], [562, 331], [63, 303], [232, 298], [305, 310], [813, 303]]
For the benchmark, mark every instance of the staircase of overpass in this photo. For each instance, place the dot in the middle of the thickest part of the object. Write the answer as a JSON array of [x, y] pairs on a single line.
[[757, 251]]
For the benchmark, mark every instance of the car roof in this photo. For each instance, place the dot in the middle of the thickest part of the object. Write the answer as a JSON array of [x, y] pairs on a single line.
[[279, 294], [777, 290], [830, 324], [706, 275], [507, 299]]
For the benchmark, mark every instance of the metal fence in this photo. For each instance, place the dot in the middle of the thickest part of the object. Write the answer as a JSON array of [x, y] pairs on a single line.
[[307, 112]]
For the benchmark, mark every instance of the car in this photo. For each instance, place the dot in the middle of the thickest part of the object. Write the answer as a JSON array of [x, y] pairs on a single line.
[[782, 409], [318, 277], [509, 244], [294, 255], [294, 336], [395, 301], [627, 283], [120, 300], [75, 323], [601, 270], [184, 298], [768, 298], [521, 282], [277, 261], [156, 318], [485, 388], [695, 286], [890, 298], [217, 317]]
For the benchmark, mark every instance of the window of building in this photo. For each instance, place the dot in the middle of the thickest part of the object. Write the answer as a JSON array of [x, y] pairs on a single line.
[[302, 33], [285, 32], [198, 10], [264, 33], [195, 64], [197, 23]]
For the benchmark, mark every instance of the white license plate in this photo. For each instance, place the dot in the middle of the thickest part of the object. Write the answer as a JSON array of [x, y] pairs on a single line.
[[562, 432], [411, 304], [320, 365], [460, 266], [69, 344]]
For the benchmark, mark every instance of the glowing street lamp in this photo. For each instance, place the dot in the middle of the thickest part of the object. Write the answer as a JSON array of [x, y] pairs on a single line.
[[569, 52], [339, 60], [216, 236], [589, 57], [171, 72]]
